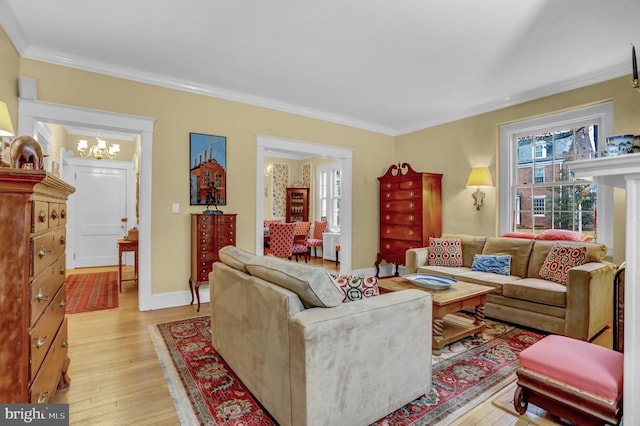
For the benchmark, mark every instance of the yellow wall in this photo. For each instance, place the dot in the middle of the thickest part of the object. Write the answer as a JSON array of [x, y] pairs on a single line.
[[178, 113], [453, 148]]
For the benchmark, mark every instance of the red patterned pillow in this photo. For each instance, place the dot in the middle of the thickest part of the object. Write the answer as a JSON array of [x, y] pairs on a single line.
[[560, 259], [356, 288], [445, 252]]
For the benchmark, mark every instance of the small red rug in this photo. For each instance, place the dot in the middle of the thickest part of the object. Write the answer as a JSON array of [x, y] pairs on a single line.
[[206, 391], [92, 292]]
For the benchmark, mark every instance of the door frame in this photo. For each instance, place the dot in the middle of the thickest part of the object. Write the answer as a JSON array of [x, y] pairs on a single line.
[[67, 171], [343, 155], [30, 112]]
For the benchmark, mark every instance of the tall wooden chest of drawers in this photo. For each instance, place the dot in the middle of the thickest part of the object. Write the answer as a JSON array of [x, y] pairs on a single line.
[[33, 326], [209, 233], [410, 212]]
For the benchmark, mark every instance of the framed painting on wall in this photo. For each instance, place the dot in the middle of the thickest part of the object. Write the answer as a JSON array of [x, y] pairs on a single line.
[[207, 170]]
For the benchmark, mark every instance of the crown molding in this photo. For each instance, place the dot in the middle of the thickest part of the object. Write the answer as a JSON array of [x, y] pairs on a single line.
[[77, 62], [583, 80]]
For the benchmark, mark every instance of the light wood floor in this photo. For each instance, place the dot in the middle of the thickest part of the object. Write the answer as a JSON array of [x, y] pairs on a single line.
[[116, 378]]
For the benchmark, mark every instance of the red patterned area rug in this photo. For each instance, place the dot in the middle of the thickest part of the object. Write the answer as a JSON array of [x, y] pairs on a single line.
[[205, 390], [92, 292]]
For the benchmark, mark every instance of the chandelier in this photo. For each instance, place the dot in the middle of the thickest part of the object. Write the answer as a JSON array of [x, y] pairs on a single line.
[[98, 151]]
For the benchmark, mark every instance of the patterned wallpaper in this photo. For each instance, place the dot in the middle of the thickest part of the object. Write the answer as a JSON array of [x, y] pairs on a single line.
[[306, 175], [279, 183]]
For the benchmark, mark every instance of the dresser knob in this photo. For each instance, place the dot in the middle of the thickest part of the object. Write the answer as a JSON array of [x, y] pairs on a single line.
[[62, 239], [65, 343], [411, 232], [388, 231], [63, 302], [411, 217], [42, 296], [387, 246], [411, 205], [388, 205], [42, 397], [62, 271], [42, 216], [388, 195], [387, 217], [54, 214], [410, 183], [43, 252], [63, 214], [411, 193], [41, 341]]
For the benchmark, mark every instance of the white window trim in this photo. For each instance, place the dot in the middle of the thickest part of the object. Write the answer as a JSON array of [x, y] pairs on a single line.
[[602, 112], [328, 168]]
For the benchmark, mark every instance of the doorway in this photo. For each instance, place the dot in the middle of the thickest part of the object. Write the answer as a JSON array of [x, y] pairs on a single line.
[[342, 155], [30, 112]]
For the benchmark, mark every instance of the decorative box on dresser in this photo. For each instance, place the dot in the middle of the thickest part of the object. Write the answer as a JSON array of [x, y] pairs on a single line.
[[33, 325], [410, 212], [209, 233], [297, 205]]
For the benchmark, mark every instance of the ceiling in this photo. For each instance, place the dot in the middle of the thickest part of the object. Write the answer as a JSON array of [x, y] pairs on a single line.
[[388, 66]]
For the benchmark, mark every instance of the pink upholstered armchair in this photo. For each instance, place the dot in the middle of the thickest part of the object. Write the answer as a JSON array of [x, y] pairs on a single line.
[[318, 228], [300, 240], [281, 239]]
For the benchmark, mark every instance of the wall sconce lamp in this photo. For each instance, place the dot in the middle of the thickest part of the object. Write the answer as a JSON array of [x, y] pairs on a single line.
[[6, 128], [479, 176]]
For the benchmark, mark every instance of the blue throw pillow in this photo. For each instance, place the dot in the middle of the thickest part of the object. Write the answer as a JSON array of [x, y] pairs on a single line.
[[492, 263]]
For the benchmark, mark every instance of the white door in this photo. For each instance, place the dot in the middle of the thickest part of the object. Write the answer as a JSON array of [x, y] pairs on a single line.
[[99, 209]]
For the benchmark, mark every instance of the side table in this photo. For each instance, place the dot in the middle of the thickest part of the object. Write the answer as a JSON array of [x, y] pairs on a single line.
[[127, 246]]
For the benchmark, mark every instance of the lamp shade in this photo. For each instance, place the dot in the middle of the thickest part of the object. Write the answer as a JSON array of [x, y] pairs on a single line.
[[479, 176], [6, 128]]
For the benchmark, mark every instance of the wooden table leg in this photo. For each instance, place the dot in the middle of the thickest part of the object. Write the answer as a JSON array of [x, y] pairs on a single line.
[[191, 290], [438, 327], [479, 318]]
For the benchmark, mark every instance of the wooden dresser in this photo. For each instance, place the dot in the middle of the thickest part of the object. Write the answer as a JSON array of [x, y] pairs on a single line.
[[209, 233], [33, 326], [410, 212]]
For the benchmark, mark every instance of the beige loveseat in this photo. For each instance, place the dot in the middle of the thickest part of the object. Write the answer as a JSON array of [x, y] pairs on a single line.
[[581, 309], [306, 356]]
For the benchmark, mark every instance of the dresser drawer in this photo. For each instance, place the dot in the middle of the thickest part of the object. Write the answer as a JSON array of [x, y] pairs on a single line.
[[42, 334], [398, 246], [401, 232], [404, 206], [401, 194], [40, 219], [46, 248], [44, 386], [212, 219], [45, 286], [395, 218]]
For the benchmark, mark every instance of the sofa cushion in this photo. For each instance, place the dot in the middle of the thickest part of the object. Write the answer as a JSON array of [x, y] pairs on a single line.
[[560, 259], [471, 245], [536, 290], [564, 234], [518, 248], [487, 278], [445, 252], [596, 252], [355, 287], [235, 257], [313, 285], [491, 263], [445, 271]]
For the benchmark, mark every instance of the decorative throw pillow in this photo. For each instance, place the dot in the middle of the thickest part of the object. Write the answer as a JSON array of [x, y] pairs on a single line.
[[356, 288], [497, 264], [564, 234], [445, 252], [560, 259], [528, 235]]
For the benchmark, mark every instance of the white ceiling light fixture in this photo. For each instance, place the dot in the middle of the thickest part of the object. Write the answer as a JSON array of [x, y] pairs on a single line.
[[98, 151]]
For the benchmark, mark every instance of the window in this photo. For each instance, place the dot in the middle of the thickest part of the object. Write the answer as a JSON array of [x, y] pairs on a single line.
[[538, 189], [329, 193]]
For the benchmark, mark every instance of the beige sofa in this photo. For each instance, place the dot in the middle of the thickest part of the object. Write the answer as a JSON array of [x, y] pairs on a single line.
[[581, 309], [306, 356]]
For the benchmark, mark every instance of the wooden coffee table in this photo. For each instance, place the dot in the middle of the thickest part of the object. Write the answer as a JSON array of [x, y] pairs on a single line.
[[461, 295]]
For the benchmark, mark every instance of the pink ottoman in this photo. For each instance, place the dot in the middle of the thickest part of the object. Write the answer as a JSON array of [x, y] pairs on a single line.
[[573, 379]]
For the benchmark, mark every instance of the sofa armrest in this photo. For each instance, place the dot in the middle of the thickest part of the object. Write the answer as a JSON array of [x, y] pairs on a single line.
[[415, 258], [589, 299], [339, 355]]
